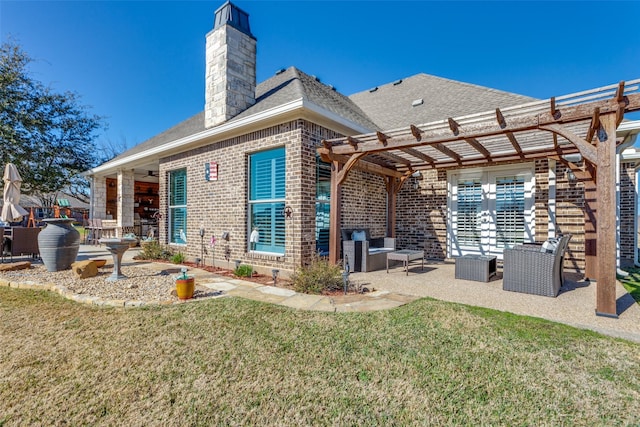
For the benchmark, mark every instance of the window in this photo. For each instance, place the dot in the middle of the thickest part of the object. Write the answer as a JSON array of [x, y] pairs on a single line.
[[510, 211], [323, 194], [178, 206], [469, 212], [266, 201]]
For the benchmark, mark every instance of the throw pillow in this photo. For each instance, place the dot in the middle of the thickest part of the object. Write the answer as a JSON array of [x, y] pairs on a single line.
[[359, 236], [550, 246]]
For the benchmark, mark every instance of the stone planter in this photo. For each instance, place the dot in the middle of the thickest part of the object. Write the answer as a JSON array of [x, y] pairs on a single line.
[[59, 243]]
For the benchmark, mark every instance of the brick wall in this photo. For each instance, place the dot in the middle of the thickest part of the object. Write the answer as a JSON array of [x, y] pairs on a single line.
[[421, 215], [627, 213], [364, 203], [569, 211], [221, 206]]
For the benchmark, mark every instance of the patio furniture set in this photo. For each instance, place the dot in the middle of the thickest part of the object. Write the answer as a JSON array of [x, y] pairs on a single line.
[[531, 268]]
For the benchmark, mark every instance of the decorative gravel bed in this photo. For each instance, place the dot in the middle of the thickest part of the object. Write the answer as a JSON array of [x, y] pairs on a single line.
[[141, 284]]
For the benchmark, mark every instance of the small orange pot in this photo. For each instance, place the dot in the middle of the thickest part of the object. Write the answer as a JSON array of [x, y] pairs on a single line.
[[185, 287]]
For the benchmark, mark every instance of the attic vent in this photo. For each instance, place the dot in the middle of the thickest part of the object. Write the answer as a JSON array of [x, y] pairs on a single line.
[[373, 89], [315, 78], [397, 82], [332, 87], [280, 71], [417, 102]]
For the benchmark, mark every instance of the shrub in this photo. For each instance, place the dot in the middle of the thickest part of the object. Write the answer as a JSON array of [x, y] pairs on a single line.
[[154, 250], [243, 270], [317, 277], [178, 258]]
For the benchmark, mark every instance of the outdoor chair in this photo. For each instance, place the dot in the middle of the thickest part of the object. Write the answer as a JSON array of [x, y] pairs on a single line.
[[535, 269], [363, 253], [21, 241]]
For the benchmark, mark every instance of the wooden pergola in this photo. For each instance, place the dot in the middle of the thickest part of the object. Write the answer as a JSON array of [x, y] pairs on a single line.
[[583, 123]]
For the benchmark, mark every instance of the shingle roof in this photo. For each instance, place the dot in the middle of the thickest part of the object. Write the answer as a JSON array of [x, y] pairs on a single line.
[[292, 84], [390, 105], [289, 85]]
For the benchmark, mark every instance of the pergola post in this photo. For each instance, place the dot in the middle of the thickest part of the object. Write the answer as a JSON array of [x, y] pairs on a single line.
[[335, 213], [606, 226]]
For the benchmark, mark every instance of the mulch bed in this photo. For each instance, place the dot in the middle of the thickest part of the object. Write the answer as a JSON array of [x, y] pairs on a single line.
[[261, 279]]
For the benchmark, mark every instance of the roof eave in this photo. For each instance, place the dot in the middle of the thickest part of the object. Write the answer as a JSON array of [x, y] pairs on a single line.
[[297, 108]]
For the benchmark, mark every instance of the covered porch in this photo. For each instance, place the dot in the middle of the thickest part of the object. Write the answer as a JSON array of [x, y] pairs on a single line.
[[127, 199], [577, 130]]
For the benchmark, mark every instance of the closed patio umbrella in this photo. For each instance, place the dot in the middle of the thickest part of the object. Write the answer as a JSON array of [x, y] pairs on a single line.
[[11, 210]]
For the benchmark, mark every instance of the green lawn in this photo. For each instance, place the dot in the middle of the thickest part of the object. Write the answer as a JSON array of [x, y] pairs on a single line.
[[632, 283], [234, 361]]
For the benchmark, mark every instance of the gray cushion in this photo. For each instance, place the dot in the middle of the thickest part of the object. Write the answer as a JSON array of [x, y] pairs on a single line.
[[359, 235]]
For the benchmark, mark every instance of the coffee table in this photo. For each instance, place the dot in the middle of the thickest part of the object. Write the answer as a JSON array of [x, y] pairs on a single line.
[[406, 256]]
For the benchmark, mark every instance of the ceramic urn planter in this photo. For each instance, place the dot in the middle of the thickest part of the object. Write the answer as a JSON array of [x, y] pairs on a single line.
[[59, 243]]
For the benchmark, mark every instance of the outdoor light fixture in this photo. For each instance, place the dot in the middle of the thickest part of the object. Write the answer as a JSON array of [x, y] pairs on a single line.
[[201, 232], [345, 275], [571, 177], [416, 176]]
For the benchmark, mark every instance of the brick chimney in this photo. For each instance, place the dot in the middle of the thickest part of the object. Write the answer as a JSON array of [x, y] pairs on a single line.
[[230, 84]]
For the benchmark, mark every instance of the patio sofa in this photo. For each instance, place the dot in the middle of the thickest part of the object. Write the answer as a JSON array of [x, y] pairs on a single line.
[[363, 253], [534, 268], [20, 241]]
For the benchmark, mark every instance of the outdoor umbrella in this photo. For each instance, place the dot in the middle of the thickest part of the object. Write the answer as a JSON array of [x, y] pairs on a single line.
[[11, 210]]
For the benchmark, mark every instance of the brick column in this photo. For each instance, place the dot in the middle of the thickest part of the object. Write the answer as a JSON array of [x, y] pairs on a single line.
[[125, 202]]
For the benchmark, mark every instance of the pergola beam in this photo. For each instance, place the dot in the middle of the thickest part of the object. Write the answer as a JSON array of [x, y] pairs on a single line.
[[419, 155], [416, 137], [396, 159]]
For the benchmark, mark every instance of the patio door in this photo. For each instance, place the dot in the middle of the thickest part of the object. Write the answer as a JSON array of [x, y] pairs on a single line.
[[490, 210]]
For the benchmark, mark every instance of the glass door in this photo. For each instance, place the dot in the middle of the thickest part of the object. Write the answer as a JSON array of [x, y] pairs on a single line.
[[490, 211]]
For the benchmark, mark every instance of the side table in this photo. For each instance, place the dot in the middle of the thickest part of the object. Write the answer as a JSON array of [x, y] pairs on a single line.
[[476, 267], [406, 256]]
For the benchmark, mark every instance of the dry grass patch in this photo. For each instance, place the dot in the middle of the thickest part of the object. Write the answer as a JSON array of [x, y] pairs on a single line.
[[232, 361]]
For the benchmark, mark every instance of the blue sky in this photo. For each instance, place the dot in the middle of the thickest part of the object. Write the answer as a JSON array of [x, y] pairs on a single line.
[[141, 64]]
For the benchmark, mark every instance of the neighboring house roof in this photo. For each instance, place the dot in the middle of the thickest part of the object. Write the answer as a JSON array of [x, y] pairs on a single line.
[[30, 201], [390, 105], [286, 86]]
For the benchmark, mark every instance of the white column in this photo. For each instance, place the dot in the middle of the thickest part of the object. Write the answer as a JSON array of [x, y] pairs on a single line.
[[99, 197], [125, 201]]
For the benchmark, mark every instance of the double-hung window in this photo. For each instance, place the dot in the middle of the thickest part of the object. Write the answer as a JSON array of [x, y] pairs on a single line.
[[178, 206], [266, 201]]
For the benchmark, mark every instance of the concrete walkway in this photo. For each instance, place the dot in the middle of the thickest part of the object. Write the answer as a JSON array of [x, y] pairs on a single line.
[[575, 305]]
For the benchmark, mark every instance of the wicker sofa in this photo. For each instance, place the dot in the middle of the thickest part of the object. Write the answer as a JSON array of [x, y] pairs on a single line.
[[365, 253], [532, 269], [20, 241]]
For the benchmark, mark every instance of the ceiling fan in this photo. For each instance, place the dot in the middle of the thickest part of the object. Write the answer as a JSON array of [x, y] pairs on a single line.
[[151, 174]]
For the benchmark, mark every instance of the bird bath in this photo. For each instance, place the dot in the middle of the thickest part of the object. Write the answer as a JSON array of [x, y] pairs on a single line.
[[117, 247]]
